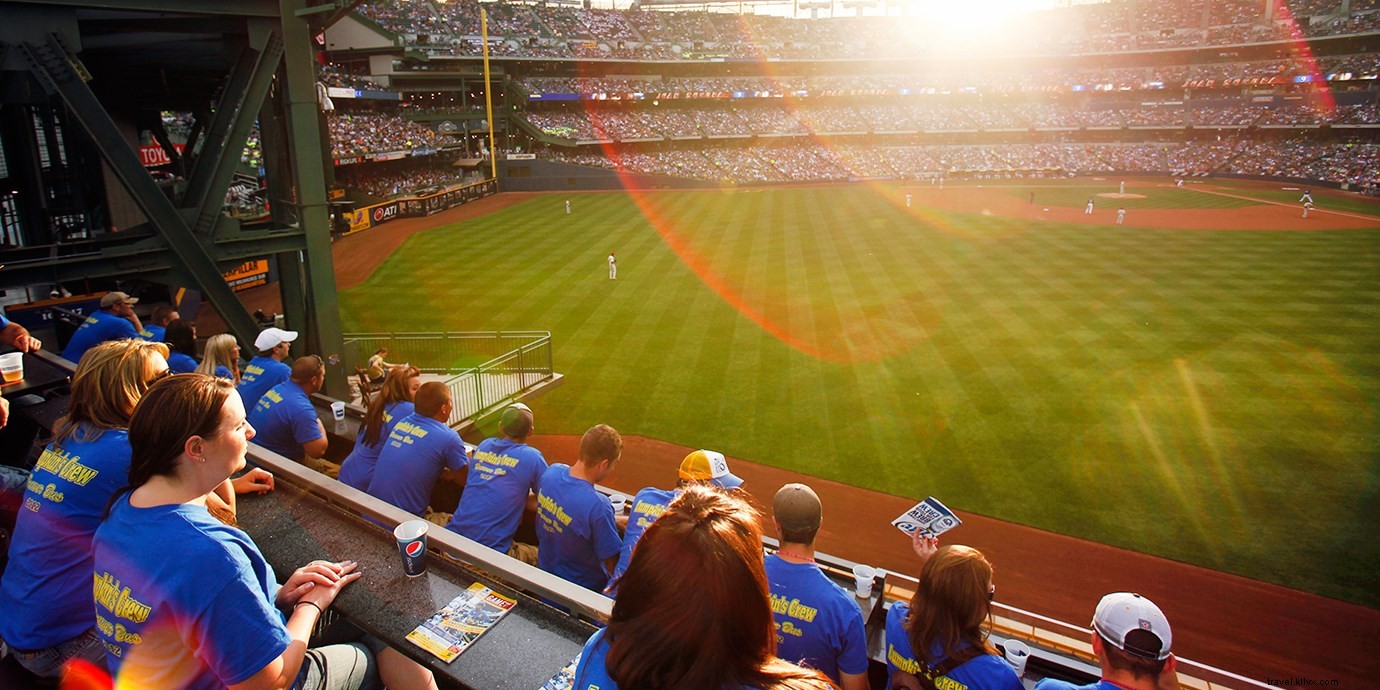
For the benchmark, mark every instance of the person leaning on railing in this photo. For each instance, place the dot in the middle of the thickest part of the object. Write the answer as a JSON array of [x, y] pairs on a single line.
[[392, 405], [184, 601]]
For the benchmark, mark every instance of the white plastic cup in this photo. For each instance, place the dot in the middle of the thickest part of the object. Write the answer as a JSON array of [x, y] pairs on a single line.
[[411, 536], [1017, 653], [338, 410], [863, 575], [620, 502], [12, 366]]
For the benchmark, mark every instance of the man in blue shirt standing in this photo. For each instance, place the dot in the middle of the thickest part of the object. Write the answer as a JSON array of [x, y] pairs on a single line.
[[419, 451], [284, 419], [1131, 639], [114, 321], [157, 326], [699, 467], [576, 531], [267, 369], [503, 480], [818, 624]]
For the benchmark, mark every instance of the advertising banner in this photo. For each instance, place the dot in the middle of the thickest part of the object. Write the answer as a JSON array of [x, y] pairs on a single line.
[[247, 275]]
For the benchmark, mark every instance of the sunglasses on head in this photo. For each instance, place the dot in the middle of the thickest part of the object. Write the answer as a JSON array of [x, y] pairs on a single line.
[[160, 376]]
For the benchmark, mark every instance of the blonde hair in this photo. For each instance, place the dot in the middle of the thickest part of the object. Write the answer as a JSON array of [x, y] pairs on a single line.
[[108, 383], [220, 352]]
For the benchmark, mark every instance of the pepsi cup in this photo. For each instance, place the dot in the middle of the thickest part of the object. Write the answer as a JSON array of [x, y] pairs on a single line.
[[411, 537]]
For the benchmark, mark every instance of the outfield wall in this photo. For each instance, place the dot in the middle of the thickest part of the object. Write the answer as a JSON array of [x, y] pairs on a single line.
[[549, 176]]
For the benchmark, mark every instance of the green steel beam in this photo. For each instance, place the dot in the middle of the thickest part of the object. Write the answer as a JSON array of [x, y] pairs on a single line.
[[59, 73], [244, 8], [309, 181], [242, 122], [218, 131]]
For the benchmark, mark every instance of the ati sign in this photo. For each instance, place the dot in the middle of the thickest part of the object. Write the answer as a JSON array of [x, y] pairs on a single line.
[[385, 212]]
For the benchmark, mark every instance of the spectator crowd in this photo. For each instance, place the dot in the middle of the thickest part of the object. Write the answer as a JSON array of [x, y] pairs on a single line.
[[540, 30]]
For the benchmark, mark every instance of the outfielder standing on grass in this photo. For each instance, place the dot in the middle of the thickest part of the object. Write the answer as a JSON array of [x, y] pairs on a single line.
[[613, 267]]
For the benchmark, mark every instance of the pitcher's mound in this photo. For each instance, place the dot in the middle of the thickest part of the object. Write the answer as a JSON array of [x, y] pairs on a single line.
[[1114, 195]]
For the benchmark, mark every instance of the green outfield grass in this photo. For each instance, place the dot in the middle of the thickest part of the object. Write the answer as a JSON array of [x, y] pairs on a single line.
[[1205, 396]]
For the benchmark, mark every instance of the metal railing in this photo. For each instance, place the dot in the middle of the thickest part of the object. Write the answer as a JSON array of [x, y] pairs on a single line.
[[487, 369], [450, 352], [494, 383]]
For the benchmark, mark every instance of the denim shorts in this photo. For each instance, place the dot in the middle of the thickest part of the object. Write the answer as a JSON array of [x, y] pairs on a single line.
[[48, 663], [340, 667]]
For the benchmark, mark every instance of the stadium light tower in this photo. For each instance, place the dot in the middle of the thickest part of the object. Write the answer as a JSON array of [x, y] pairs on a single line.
[[814, 6]]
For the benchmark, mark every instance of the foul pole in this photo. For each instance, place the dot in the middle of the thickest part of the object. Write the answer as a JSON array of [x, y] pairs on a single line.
[[489, 96]]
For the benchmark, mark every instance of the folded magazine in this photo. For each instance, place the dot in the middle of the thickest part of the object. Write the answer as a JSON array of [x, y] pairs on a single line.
[[449, 631], [929, 517]]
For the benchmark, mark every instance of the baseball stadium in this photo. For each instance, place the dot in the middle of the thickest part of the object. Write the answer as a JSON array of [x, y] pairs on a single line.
[[1099, 277]]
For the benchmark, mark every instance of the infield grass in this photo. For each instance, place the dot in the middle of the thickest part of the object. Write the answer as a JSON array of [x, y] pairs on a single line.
[[1205, 396]]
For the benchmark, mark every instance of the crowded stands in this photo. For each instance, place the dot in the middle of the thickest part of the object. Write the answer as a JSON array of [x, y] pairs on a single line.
[[1120, 25], [806, 161]]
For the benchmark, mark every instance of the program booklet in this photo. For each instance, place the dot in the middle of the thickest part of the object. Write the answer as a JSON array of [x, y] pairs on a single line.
[[929, 517], [449, 631], [565, 678]]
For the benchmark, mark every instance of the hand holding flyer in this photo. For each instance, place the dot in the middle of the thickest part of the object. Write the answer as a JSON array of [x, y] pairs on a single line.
[[929, 517]]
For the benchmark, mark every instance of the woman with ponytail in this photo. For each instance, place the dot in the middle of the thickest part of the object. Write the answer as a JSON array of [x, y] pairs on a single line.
[[391, 405]]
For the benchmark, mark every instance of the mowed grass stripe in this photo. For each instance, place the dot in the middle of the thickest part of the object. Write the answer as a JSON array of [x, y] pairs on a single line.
[[1067, 377]]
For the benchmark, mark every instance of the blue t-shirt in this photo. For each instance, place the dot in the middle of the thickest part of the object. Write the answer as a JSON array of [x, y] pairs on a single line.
[[1056, 684], [179, 363], [224, 372], [46, 590], [96, 329], [261, 374], [284, 419], [590, 673], [412, 459], [183, 601], [576, 531], [358, 468], [648, 505], [153, 333], [502, 474], [983, 672], [818, 624]]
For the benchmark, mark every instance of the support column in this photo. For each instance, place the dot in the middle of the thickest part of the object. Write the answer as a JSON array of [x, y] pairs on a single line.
[[324, 335]]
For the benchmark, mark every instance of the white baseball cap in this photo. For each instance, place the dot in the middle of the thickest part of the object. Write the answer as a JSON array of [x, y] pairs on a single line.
[[269, 338], [1121, 614]]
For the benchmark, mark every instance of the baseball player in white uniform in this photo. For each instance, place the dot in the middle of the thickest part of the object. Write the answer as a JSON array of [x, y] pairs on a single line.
[[1088, 210], [907, 201], [1121, 216], [613, 266], [567, 207]]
